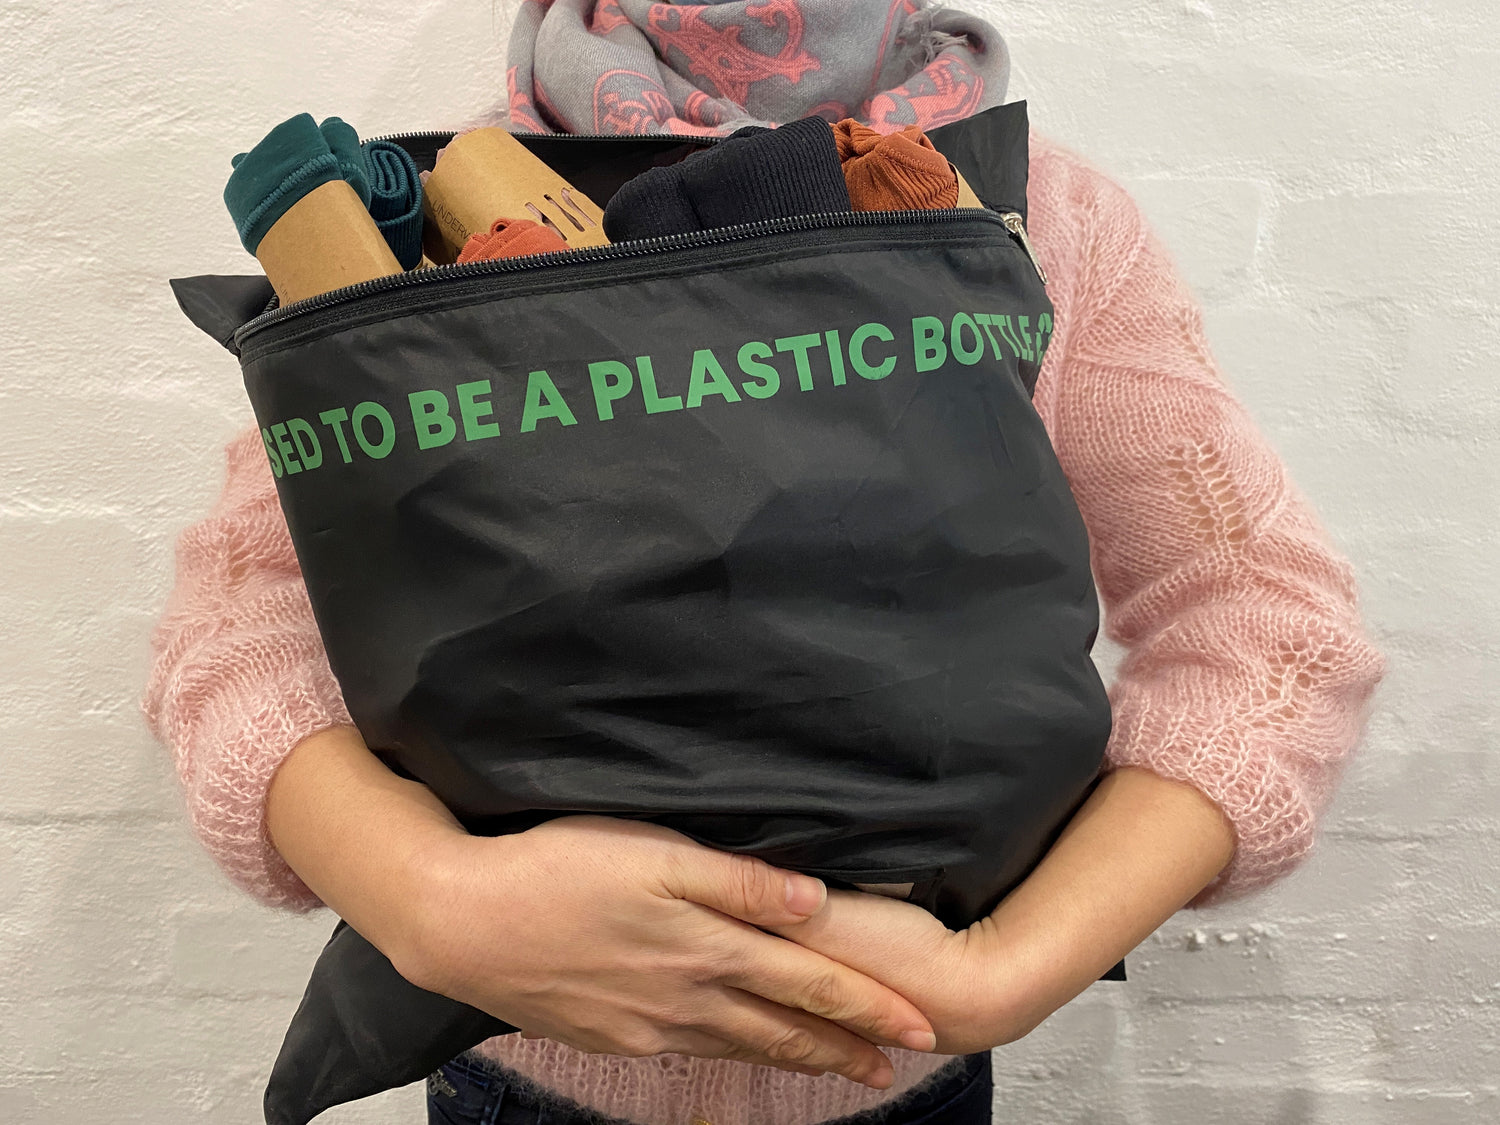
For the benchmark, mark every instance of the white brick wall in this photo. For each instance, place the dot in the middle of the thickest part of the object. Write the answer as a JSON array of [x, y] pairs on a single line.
[[1324, 174]]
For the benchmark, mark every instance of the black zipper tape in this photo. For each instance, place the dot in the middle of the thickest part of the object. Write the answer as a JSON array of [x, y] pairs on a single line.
[[447, 135], [609, 259]]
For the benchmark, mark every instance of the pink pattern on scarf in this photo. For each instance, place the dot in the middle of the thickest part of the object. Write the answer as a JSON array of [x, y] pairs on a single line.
[[554, 115], [948, 90], [607, 16], [717, 54], [703, 110], [522, 112], [627, 101], [898, 8], [625, 106]]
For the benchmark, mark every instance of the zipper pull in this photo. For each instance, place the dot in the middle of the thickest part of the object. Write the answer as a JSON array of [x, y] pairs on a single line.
[[1014, 223]]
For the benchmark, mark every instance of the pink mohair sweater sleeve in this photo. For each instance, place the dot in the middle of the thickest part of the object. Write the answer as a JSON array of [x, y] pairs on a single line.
[[239, 675], [1247, 672]]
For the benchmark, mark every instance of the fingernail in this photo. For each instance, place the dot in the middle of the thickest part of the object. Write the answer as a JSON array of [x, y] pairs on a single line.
[[882, 1078], [804, 894], [919, 1040]]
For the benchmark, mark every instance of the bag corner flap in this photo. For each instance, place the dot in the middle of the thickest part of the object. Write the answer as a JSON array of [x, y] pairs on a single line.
[[220, 304], [992, 150]]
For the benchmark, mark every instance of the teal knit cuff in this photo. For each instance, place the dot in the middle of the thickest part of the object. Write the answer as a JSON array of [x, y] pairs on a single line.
[[290, 161], [343, 142]]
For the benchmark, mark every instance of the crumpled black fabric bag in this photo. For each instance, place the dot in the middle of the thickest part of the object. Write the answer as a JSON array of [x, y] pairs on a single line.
[[753, 533]]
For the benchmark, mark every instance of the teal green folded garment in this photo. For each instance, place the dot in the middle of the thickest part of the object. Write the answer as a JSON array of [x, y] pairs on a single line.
[[343, 142], [290, 161], [396, 199]]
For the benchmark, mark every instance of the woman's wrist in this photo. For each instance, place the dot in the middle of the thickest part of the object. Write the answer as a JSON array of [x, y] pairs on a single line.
[[370, 844], [1134, 854], [443, 874]]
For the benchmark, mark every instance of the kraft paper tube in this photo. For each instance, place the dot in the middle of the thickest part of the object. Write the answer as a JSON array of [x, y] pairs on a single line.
[[966, 196], [327, 240], [487, 175]]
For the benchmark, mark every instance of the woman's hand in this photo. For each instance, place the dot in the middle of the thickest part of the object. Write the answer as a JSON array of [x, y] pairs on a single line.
[[1134, 853], [627, 938], [609, 935], [957, 980]]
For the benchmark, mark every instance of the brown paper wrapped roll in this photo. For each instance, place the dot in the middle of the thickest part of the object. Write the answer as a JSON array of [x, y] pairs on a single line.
[[327, 240], [966, 196], [488, 175]]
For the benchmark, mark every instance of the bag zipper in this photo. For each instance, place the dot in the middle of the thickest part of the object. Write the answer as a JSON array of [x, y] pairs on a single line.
[[431, 134], [613, 252], [1017, 226]]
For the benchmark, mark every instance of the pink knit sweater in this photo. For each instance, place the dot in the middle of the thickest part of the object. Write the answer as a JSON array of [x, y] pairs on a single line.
[[1247, 674]]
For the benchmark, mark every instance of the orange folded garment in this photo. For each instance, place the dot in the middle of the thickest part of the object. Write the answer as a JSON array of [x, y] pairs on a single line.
[[511, 238], [893, 171]]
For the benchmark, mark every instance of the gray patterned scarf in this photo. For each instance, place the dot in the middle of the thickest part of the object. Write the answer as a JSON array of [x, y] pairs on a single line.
[[634, 66]]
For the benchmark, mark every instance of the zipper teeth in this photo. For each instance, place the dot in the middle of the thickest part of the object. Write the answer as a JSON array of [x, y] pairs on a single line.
[[424, 135], [633, 248], [679, 138]]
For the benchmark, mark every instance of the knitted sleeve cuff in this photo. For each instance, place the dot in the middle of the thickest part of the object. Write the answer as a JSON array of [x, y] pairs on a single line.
[[250, 731], [1272, 779], [1273, 825], [238, 674]]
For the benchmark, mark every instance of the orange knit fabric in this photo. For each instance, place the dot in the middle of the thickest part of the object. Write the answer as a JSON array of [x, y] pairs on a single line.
[[511, 238], [1248, 671], [893, 171]]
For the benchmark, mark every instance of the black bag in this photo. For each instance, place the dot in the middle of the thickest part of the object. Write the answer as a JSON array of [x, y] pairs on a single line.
[[752, 533]]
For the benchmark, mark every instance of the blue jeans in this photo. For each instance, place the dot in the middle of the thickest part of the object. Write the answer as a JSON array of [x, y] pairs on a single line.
[[465, 1092]]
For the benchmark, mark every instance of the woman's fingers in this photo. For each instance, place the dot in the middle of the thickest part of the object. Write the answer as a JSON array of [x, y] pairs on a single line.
[[795, 977], [757, 1030], [737, 1025], [741, 886], [705, 1045]]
